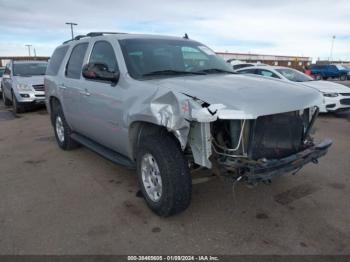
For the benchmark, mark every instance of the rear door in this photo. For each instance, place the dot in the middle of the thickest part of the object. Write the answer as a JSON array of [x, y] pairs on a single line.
[[72, 87]]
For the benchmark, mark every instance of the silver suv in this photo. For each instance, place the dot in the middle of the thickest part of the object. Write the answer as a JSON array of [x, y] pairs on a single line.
[[168, 105], [23, 84]]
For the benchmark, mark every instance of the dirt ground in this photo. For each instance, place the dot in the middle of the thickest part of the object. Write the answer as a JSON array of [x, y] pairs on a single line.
[[57, 202]]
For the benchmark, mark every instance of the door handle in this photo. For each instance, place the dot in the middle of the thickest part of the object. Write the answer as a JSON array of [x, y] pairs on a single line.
[[62, 86], [85, 92]]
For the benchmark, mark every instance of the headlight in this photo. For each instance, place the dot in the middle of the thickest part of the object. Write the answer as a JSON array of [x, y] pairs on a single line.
[[24, 87], [330, 94]]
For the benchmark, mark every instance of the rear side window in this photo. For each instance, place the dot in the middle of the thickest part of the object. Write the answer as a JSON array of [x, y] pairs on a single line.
[[75, 63], [56, 60]]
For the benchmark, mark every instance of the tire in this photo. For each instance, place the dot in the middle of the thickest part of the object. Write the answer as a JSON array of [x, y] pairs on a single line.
[[7, 102], [17, 107], [62, 130], [176, 184], [343, 77]]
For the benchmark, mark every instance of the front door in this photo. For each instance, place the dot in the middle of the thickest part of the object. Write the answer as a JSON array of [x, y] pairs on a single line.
[[102, 102]]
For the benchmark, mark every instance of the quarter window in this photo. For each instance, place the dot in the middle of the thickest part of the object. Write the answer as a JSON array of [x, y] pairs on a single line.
[[56, 60], [75, 63], [103, 53]]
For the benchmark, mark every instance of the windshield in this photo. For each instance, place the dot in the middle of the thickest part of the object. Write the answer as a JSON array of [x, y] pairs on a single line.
[[147, 58], [29, 69], [294, 75], [340, 67], [2, 71]]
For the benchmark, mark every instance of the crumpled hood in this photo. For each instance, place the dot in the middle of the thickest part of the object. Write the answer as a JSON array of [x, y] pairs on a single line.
[[327, 86], [255, 96], [30, 80]]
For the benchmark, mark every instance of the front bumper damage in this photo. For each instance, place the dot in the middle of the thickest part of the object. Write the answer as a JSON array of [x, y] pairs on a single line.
[[264, 170]]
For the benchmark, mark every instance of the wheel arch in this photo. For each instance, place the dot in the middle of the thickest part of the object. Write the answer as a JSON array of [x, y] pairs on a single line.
[[139, 129], [54, 102]]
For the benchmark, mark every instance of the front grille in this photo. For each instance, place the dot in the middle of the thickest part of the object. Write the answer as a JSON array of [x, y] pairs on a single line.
[[345, 101], [39, 87], [277, 136], [345, 94]]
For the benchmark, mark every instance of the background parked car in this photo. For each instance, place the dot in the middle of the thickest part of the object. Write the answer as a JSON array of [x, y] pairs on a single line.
[[330, 71], [2, 69], [336, 96], [23, 84]]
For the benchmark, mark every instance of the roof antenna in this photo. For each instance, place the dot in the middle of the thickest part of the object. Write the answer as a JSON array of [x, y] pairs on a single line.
[[186, 36]]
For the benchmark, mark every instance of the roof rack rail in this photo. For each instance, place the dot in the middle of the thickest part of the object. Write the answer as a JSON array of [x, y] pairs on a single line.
[[78, 37], [92, 34]]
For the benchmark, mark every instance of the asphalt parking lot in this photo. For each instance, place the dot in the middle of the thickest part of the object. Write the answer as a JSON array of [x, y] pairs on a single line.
[[57, 202]]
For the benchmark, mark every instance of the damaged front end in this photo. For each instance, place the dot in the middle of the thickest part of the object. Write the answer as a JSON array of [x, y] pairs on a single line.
[[256, 150]]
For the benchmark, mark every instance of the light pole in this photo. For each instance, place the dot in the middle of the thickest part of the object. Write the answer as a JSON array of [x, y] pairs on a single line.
[[71, 28], [331, 54], [28, 49]]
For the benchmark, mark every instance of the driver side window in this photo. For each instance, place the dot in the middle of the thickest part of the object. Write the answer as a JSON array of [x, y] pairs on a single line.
[[103, 53], [7, 70], [267, 73]]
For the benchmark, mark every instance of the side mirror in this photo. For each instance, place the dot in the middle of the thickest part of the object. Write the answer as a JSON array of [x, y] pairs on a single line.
[[100, 71]]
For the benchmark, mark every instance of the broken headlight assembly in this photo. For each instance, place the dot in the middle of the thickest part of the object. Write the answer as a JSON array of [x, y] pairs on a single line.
[[269, 145]]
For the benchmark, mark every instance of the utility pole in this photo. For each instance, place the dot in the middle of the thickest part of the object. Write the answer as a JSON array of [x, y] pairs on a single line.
[[331, 54], [34, 52], [71, 28], [28, 49]]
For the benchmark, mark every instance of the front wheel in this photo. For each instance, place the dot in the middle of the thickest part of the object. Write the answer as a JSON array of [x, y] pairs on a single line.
[[343, 77], [17, 107], [7, 102], [163, 175]]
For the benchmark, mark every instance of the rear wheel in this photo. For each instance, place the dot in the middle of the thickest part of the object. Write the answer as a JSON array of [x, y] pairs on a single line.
[[163, 175], [62, 130]]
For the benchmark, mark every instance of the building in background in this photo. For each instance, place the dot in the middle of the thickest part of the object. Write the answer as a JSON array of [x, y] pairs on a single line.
[[5, 59], [297, 62]]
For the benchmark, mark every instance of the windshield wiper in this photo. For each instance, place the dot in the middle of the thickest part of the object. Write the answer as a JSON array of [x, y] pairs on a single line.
[[216, 70], [173, 72]]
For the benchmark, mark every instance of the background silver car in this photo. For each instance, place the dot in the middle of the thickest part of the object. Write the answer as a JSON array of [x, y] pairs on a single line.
[[23, 84]]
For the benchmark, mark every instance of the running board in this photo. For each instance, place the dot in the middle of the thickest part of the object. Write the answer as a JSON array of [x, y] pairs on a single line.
[[104, 151]]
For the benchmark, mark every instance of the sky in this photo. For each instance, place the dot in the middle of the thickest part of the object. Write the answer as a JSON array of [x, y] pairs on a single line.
[[279, 27]]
